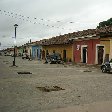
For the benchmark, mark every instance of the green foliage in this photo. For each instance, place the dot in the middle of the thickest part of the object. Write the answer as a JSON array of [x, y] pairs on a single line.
[[105, 23]]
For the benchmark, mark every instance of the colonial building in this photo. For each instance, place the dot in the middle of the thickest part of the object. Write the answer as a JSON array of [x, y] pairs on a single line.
[[86, 45], [60, 44], [105, 34]]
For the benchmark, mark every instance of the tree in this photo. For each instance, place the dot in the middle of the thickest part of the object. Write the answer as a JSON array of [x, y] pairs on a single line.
[[105, 23]]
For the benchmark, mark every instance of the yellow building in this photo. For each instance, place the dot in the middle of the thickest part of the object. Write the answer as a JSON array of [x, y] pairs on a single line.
[[59, 44], [110, 48], [66, 51], [107, 43], [105, 34]]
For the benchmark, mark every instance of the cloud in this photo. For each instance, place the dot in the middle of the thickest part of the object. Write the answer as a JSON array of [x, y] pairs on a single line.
[[83, 13]]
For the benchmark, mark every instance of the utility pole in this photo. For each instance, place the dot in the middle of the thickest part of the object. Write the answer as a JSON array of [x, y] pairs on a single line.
[[15, 45]]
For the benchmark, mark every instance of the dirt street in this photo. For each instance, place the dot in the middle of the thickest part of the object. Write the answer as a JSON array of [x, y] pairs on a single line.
[[50, 87]]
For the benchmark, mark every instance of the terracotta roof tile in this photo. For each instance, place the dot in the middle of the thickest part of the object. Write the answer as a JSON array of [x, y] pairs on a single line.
[[54, 40], [66, 38], [105, 29]]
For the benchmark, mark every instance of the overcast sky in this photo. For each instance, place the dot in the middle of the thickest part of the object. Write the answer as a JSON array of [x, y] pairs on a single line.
[[38, 19]]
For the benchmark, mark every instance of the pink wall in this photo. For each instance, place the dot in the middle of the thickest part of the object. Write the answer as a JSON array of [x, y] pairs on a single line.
[[91, 50]]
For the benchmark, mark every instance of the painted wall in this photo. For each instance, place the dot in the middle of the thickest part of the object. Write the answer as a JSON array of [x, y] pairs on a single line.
[[106, 43], [110, 48], [36, 52], [59, 49], [29, 50], [91, 50]]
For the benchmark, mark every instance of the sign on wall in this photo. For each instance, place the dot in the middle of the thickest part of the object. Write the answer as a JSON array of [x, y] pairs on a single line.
[[78, 47]]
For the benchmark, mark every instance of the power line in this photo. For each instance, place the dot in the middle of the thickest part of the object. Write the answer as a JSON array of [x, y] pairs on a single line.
[[34, 20]]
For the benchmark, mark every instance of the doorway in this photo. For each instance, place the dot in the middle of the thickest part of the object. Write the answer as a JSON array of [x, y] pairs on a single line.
[[100, 54], [37, 53], [84, 54], [43, 54], [64, 55], [30, 53]]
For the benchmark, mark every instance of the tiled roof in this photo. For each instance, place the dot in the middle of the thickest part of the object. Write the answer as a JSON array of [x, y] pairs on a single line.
[[62, 39], [105, 29], [84, 33], [69, 38], [66, 39]]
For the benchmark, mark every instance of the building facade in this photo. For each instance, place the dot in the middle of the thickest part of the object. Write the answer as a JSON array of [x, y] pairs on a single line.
[[66, 51], [86, 50], [36, 51], [60, 44]]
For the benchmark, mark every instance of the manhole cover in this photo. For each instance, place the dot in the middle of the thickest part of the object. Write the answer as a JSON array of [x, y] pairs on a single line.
[[49, 89], [24, 72]]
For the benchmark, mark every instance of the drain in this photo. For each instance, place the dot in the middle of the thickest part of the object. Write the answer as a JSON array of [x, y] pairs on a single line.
[[24, 72], [49, 89]]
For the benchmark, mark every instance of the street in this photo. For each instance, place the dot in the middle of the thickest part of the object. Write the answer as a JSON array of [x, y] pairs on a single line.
[[33, 86]]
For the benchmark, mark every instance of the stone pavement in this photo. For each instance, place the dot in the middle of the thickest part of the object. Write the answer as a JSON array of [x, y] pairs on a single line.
[[93, 107], [79, 87]]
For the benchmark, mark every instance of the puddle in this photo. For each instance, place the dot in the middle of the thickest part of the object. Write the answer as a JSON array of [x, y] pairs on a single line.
[[24, 72], [50, 89]]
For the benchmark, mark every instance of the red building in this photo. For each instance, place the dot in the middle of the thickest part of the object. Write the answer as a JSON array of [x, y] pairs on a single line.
[[86, 46], [86, 50]]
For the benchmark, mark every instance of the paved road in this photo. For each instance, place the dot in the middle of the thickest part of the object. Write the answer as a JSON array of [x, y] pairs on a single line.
[[21, 92]]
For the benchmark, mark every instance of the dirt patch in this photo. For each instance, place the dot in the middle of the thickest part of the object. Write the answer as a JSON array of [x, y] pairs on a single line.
[[5, 61], [49, 89], [24, 72], [87, 71]]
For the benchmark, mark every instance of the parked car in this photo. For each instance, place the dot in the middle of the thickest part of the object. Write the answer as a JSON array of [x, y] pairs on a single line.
[[13, 55], [55, 58], [107, 66], [7, 54], [25, 56]]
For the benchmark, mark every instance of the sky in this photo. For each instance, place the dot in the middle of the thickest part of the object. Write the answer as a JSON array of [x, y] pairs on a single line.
[[39, 19]]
